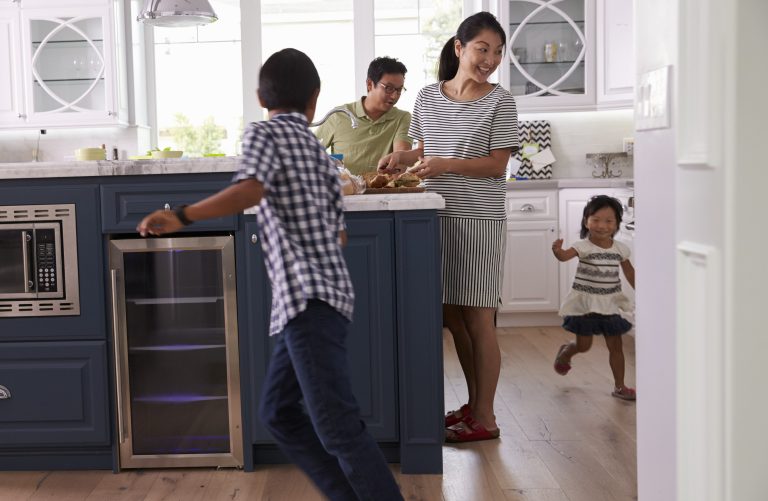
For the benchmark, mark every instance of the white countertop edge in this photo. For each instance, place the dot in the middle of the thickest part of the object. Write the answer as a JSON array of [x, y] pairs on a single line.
[[394, 202], [99, 168]]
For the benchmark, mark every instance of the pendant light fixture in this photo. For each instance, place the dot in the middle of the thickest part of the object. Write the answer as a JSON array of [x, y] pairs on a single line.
[[175, 13]]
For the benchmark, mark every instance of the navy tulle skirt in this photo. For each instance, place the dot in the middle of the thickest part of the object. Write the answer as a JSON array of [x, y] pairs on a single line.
[[593, 324]]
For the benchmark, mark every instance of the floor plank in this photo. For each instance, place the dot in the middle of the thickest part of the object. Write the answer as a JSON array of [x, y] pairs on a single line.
[[562, 439]]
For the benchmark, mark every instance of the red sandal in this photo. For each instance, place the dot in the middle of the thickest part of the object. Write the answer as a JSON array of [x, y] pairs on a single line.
[[561, 367], [455, 417], [625, 393], [469, 430]]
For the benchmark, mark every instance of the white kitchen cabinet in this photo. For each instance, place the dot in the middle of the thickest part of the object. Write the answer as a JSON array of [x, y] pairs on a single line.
[[568, 55], [530, 281], [571, 204], [11, 97], [64, 58]]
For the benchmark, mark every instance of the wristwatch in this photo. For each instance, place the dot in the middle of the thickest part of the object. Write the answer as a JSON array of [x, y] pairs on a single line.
[[179, 212]]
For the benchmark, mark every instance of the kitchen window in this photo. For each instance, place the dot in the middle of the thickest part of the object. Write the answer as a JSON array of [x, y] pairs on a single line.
[[203, 92]]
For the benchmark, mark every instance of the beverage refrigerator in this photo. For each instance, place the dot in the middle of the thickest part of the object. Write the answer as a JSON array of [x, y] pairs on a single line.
[[174, 316]]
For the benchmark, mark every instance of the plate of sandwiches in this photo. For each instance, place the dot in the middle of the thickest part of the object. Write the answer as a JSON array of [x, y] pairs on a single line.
[[379, 183]]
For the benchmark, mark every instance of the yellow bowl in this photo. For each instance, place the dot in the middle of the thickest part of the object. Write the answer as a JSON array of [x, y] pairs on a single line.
[[90, 154], [167, 154]]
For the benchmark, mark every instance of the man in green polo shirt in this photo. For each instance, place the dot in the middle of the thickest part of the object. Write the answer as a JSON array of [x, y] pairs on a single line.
[[381, 129]]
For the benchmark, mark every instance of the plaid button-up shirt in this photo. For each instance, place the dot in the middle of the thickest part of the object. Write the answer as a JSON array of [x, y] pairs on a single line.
[[299, 217]]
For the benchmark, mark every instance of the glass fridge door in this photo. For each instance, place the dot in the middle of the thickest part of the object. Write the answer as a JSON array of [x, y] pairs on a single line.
[[178, 352]]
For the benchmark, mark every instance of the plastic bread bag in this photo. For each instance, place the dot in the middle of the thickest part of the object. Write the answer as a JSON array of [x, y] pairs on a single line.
[[350, 184]]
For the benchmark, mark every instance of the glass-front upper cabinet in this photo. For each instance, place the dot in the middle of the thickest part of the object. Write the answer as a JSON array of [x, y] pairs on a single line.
[[551, 54], [568, 54], [64, 64]]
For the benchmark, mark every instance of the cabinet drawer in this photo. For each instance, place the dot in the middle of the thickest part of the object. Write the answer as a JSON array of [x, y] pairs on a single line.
[[531, 205], [123, 206], [53, 394]]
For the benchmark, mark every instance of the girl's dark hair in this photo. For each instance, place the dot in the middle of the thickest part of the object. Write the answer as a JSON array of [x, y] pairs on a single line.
[[448, 65], [595, 204], [287, 80], [385, 65]]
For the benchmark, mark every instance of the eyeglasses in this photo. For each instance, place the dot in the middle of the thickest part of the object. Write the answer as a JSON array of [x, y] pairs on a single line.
[[390, 89]]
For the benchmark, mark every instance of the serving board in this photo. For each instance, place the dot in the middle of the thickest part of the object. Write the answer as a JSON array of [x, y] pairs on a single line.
[[389, 191]]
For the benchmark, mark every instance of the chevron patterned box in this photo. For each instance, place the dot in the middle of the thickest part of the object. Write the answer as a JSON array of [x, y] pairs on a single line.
[[535, 131]]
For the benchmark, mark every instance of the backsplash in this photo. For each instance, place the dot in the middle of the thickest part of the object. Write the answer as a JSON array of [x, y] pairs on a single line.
[[574, 134], [60, 144]]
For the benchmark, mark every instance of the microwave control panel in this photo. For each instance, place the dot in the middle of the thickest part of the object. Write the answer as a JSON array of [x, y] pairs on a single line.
[[45, 259]]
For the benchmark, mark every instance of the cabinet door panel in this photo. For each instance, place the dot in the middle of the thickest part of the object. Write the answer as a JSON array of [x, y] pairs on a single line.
[[58, 394], [530, 270], [371, 341], [615, 57]]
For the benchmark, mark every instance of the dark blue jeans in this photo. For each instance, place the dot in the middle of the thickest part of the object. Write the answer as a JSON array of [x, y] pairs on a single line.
[[328, 440]]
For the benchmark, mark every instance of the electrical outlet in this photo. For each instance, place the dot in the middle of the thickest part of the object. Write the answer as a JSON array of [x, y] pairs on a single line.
[[652, 108]]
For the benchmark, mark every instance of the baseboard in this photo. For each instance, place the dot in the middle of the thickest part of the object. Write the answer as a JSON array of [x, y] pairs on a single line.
[[528, 319]]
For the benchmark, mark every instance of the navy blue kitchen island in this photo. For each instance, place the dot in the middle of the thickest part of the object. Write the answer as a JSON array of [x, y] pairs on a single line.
[[59, 371]]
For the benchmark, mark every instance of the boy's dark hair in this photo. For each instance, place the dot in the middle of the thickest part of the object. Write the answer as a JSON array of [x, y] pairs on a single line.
[[382, 65], [595, 204], [448, 64], [287, 80]]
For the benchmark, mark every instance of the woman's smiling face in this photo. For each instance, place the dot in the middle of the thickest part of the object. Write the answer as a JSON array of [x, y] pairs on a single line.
[[481, 56]]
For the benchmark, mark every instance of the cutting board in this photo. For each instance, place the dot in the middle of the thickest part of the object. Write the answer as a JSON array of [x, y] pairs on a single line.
[[389, 191]]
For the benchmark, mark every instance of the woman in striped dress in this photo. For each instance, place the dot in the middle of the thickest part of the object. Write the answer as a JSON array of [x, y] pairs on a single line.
[[466, 128]]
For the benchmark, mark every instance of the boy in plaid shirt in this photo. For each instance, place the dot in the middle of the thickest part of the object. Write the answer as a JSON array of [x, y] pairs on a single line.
[[286, 172]]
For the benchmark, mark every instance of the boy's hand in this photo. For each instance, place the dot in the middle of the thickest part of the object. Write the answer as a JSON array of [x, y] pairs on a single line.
[[158, 223]]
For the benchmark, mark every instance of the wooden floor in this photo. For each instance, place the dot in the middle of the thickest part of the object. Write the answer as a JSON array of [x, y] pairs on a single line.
[[563, 439]]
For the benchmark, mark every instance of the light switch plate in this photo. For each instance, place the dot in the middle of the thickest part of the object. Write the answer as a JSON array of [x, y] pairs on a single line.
[[652, 108]]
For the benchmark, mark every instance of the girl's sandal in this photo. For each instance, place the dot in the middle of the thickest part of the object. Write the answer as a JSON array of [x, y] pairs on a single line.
[[561, 367], [625, 393], [456, 417], [469, 430]]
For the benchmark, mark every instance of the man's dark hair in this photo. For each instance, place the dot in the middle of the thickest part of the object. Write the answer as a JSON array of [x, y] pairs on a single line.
[[287, 80], [382, 65]]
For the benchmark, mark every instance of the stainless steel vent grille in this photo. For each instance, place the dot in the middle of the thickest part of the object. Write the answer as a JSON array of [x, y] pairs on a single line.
[[34, 212], [37, 309]]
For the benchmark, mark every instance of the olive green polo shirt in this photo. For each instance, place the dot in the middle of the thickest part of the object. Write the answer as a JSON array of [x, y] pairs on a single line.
[[363, 147]]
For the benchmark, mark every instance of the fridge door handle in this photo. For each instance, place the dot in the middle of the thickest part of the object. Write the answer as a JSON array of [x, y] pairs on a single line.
[[118, 360]]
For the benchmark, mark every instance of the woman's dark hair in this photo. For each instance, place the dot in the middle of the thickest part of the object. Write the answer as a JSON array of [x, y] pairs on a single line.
[[382, 65], [595, 204], [287, 80], [448, 65]]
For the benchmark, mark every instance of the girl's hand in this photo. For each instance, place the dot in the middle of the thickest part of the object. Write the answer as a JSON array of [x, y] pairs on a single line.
[[159, 223], [557, 245]]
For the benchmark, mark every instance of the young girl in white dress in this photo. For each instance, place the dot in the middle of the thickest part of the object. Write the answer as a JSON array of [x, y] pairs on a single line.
[[595, 304]]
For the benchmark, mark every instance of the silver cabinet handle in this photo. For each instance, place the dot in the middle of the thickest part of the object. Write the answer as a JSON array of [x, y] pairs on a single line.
[[22, 115], [527, 208], [5, 393], [254, 238], [118, 360]]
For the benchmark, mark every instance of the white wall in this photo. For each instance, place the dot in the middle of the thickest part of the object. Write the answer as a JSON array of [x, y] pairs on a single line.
[[575, 134], [655, 181]]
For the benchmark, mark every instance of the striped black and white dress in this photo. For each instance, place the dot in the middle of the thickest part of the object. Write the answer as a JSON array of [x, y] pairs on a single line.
[[473, 223]]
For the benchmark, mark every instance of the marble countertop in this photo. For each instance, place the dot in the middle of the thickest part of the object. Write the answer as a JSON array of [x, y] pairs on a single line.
[[97, 168], [555, 184]]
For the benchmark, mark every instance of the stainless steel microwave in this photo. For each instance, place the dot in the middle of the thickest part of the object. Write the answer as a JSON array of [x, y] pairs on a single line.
[[38, 261]]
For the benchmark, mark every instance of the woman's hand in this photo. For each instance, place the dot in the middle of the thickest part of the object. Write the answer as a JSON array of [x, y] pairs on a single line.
[[431, 167], [159, 223]]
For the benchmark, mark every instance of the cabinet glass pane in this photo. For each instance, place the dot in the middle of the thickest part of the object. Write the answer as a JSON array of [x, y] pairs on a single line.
[[68, 65], [177, 360], [547, 48]]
